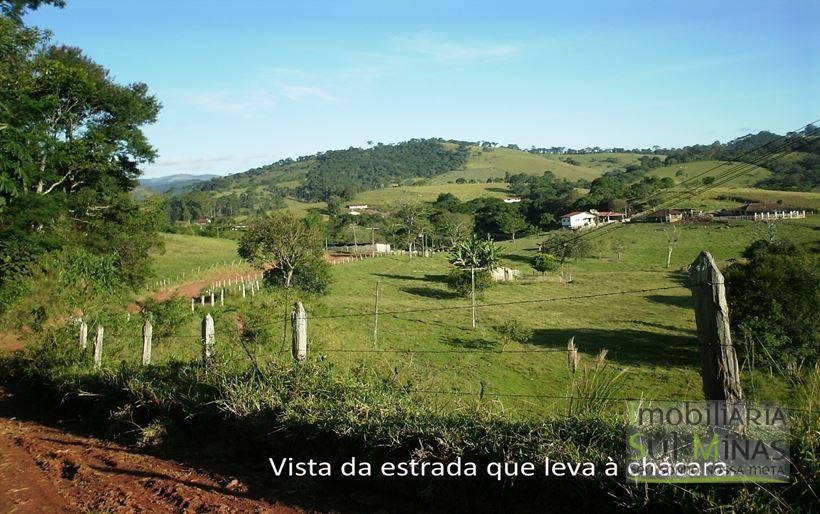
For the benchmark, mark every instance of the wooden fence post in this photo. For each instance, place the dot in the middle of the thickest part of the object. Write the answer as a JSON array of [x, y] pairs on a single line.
[[222, 297], [376, 318], [299, 323], [212, 298], [718, 359], [147, 335], [208, 339], [98, 343], [83, 334], [193, 303]]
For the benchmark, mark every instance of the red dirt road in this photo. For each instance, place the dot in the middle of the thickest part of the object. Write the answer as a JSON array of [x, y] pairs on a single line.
[[43, 469]]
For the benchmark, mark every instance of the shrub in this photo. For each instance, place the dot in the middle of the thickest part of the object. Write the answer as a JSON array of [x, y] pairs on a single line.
[[459, 281], [774, 298], [545, 262], [514, 330]]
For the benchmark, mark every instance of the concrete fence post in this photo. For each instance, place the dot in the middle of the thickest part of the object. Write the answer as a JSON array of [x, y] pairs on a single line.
[[208, 339], [193, 303], [243, 290], [202, 300], [299, 324], [147, 336], [221, 297], [83, 334], [212, 298], [98, 344]]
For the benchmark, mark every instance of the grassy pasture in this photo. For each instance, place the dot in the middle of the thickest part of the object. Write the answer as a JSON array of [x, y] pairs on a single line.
[[751, 174], [651, 333], [465, 192], [485, 164]]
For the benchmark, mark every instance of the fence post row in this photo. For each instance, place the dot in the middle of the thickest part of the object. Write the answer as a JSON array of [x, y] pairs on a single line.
[[98, 344], [208, 339], [147, 335], [718, 358], [299, 323]]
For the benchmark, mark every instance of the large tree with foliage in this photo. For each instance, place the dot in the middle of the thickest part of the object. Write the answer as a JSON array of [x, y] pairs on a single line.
[[71, 145], [283, 244]]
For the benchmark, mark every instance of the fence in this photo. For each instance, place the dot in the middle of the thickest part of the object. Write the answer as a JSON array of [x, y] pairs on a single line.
[[718, 357]]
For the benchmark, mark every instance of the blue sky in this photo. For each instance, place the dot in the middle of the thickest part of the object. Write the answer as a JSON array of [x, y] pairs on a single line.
[[246, 83]]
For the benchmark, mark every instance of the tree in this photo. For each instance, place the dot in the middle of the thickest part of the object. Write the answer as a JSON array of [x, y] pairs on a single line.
[[409, 222], [672, 236], [510, 221], [565, 245], [71, 144], [544, 262], [283, 243], [473, 261], [453, 226], [774, 298], [15, 9]]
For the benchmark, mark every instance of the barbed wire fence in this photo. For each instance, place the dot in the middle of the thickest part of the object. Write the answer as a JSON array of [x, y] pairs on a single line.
[[718, 353]]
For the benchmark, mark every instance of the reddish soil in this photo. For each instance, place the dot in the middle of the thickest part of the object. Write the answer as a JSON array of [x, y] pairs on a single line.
[[44, 469]]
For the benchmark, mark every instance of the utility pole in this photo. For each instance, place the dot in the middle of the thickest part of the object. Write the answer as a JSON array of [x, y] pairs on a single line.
[[373, 240], [355, 241]]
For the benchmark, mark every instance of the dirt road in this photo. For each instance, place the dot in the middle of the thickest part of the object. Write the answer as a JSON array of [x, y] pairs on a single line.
[[44, 469]]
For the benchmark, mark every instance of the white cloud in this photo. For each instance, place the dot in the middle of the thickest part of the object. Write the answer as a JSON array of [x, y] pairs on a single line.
[[255, 100], [296, 93], [450, 51]]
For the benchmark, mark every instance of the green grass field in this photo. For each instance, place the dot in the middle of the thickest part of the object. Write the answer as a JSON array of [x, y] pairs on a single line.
[[652, 333], [196, 257], [465, 192], [750, 176], [484, 164]]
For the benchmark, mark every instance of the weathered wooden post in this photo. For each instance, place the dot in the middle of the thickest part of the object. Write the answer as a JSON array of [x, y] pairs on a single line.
[[147, 335], [222, 297], [208, 339], [718, 359], [299, 324], [98, 343], [202, 300], [83, 334], [376, 318], [243, 290], [212, 298], [193, 303]]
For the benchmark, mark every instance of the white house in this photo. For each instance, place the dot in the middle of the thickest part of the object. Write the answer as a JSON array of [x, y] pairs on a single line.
[[359, 207], [512, 199], [577, 220]]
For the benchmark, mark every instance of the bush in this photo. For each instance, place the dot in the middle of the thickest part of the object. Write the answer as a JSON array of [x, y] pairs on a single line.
[[459, 281], [774, 298], [514, 330], [545, 262], [166, 316]]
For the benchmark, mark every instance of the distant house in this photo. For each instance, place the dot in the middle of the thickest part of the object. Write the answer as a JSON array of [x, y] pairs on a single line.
[[202, 222], [761, 212], [577, 220], [664, 216], [610, 217], [512, 199], [357, 207]]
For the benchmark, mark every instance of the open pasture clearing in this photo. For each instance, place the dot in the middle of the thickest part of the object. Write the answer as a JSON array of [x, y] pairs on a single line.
[[426, 344]]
